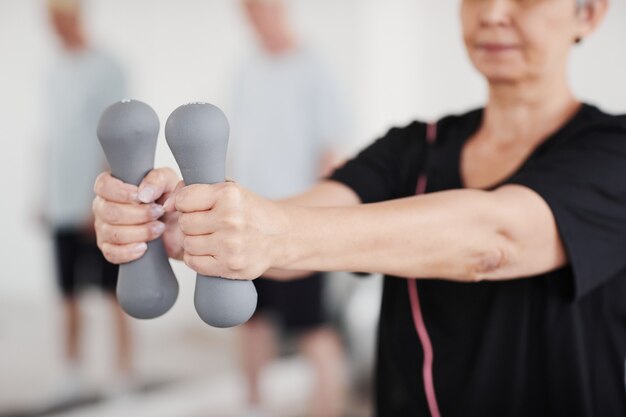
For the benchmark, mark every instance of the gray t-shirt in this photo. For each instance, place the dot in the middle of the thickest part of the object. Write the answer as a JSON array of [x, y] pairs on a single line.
[[81, 85], [286, 113]]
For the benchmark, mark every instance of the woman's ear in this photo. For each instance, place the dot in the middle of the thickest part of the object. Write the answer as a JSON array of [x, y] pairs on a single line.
[[589, 18]]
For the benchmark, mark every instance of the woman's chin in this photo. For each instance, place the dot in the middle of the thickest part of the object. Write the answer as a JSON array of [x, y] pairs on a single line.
[[500, 72], [502, 76]]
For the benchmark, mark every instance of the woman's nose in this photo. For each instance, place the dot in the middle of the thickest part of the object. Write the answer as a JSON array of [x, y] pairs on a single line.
[[496, 12]]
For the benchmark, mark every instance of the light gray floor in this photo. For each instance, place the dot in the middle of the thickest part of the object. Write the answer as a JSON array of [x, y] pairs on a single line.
[[177, 347]]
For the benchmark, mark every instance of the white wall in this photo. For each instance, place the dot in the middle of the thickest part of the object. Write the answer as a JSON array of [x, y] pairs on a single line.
[[396, 60]]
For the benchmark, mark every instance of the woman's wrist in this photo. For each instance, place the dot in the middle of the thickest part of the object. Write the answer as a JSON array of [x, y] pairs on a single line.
[[284, 246]]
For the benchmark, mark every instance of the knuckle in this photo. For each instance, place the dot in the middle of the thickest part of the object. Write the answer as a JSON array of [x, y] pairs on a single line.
[[109, 253], [231, 191], [188, 244], [166, 174], [130, 196], [183, 222], [154, 176], [233, 245], [157, 175], [179, 200], [149, 232], [105, 231], [146, 213], [234, 221], [99, 183], [115, 235], [235, 263], [112, 213], [190, 261]]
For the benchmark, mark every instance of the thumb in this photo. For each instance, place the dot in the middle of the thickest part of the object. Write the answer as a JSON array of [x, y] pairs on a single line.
[[158, 182], [169, 204]]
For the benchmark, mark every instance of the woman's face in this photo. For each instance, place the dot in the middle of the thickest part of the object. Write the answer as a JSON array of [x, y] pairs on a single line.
[[514, 40]]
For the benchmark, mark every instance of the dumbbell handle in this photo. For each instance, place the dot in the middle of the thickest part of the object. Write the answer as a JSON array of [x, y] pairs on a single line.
[[146, 287]]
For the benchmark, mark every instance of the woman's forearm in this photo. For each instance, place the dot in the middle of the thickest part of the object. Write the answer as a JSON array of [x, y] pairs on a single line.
[[324, 193], [447, 235]]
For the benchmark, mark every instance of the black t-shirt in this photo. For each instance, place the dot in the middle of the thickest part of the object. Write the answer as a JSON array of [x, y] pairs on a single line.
[[549, 345]]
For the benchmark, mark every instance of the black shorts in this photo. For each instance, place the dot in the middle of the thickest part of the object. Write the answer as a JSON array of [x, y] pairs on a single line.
[[80, 263], [297, 305]]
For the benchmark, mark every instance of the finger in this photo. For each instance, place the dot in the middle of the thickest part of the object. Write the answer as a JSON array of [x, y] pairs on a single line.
[[201, 197], [169, 205], [126, 214], [200, 246], [207, 222], [197, 197], [122, 235], [158, 182], [213, 246], [112, 189], [121, 254], [205, 265], [197, 223], [211, 267]]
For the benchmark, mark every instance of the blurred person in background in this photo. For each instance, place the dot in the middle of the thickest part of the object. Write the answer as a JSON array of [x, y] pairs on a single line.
[[83, 81], [287, 127]]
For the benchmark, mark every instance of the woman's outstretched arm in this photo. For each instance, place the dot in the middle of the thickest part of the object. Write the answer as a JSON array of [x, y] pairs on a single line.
[[463, 235]]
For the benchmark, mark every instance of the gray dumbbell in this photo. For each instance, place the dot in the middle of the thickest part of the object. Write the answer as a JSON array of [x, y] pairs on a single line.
[[197, 134], [128, 132]]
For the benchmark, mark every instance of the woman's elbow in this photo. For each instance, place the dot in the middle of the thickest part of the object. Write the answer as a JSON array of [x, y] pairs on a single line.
[[492, 261]]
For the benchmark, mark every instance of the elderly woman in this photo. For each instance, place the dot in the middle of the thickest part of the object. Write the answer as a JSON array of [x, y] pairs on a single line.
[[505, 287]]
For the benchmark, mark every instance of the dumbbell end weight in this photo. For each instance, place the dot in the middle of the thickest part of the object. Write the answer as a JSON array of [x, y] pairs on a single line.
[[224, 303], [147, 288]]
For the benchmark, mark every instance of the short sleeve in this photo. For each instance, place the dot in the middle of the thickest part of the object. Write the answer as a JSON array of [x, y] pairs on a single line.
[[583, 182], [379, 172]]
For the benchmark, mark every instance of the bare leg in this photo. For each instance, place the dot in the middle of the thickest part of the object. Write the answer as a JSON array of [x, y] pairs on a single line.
[[72, 329], [70, 386], [124, 338], [324, 349], [258, 348]]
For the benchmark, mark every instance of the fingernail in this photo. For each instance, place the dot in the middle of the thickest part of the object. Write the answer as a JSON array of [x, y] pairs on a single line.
[[157, 211], [158, 228], [146, 194], [140, 247]]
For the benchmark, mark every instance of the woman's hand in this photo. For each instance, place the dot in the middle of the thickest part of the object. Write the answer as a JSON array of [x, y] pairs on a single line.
[[126, 216], [229, 231]]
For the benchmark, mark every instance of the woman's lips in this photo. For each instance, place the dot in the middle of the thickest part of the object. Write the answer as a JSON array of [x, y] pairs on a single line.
[[496, 47]]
